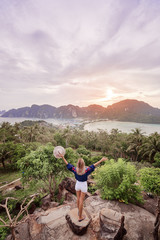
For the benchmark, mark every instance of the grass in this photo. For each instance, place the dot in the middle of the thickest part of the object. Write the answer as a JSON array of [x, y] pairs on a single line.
[[8, 176], [96, 153], [26, 191]]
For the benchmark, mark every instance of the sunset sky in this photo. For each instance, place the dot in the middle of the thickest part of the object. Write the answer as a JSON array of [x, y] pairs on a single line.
[[79, 52]]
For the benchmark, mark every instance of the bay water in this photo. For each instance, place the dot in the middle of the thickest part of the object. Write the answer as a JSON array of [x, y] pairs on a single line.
[[126, 127]]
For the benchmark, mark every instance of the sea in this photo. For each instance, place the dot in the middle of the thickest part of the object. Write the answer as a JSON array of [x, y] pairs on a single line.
[[95, 126]]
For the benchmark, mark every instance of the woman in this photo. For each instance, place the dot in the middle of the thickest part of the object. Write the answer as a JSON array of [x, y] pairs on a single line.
[[81, 173]]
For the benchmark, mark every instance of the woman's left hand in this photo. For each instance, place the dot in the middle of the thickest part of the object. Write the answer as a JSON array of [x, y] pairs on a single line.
[[104, 159], [61, 155]]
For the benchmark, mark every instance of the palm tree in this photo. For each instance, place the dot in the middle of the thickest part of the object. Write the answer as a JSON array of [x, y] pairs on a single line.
[[136, 140], [151, 146]]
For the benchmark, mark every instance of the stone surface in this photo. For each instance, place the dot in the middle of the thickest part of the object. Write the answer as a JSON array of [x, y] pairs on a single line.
[[35, 228], [52, 225], [22, 232], [77, 227], [55, 217], [150, 203], [54, 204], [68, 184], [139, 223], [88, 194], [68, 196], [46, 202], [110, 222]]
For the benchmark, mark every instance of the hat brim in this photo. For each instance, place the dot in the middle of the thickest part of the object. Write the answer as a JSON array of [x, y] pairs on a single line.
[[58, 150]]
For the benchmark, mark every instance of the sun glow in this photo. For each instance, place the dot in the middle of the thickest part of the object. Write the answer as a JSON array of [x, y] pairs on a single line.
[[109, 94]]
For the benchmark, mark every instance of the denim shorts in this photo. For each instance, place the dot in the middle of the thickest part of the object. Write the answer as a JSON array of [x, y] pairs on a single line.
[[81, 186]]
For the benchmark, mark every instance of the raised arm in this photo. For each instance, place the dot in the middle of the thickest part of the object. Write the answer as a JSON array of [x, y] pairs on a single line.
[[102, 160], [63, 159]]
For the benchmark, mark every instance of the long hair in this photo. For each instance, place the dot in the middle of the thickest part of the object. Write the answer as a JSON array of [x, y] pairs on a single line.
[[80, 166]]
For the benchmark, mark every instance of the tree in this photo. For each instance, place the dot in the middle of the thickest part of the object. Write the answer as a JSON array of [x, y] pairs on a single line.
[[136, 141], [102, 142], [151, 146], [5, 152], [7, 132], [42, 165], [11, 152], [13, 222]]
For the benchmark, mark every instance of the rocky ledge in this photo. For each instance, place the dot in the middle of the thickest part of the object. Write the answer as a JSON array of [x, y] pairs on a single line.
[[77, 227], [105, 219]]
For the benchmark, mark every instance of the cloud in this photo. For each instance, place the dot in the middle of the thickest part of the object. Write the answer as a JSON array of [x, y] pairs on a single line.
[[72, 51]]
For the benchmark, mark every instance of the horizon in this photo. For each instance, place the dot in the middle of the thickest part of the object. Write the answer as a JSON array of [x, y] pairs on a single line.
[[75, 105], [79, 52]]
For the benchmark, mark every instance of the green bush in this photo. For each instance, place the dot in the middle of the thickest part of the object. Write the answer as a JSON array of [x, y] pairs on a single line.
[[83, 151], [4, 231], [150, 179], [117, 180], [92, 188]]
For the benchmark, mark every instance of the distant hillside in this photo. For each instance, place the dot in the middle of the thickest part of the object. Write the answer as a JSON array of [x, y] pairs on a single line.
[[126, 110], [133, 110], [2, 112]]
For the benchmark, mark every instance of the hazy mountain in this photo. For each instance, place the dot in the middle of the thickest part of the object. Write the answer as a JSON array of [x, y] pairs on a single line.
[[126, 110], [133, 110], [2, 112]]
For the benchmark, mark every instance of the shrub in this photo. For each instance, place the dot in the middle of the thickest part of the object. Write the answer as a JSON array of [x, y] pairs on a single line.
[[4, 232], [83, 151], [117, 180], [150, 179]]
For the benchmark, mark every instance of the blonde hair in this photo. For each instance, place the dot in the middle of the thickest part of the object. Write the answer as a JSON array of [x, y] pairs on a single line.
[[80, 167]]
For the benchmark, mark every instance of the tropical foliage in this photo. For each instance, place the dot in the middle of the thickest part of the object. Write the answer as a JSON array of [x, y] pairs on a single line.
[[118, 180], [28, 147], [42, 165], [150, 179], [20, 138]]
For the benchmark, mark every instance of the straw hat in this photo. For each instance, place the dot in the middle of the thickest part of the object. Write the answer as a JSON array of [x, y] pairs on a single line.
[[58, 150]]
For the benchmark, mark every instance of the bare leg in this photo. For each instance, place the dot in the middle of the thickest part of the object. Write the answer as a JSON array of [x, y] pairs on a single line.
[[78, 193], [81, 204]]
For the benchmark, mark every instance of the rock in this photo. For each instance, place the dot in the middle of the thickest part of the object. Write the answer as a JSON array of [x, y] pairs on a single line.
[[96, 193], [18, 187], [150, 203], [54, 217], [55, 223], [54, 204], [52, 224], [35, 228], [95, 223], [68, 184], [77, 227], [110, 222], [67, 189], [67, 196], [32, 208], [88, 194], [46, 202], [139, 223], [22, 232]]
